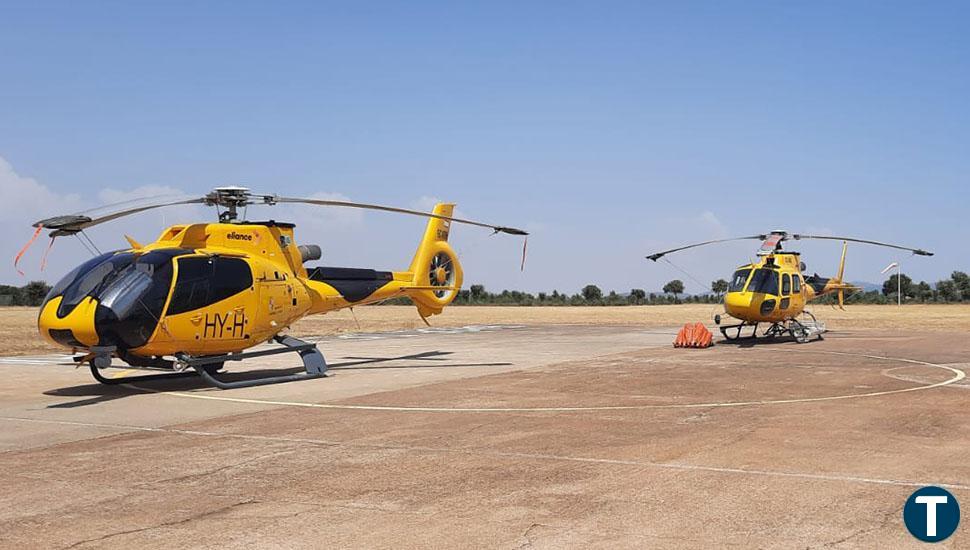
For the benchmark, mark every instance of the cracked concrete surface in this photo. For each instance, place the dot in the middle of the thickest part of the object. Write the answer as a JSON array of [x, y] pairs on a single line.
[[87, 466]]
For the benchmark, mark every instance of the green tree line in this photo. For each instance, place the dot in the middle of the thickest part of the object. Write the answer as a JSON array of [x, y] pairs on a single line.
[[31, 294], [953, 290], [589, 295]]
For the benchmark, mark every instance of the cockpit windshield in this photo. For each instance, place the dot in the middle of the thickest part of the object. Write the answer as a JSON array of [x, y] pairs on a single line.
[[127, 289], [129, 308], [72, 275], [740, 277], [113, 278], [764, 281], [144, 282], [130, 289], [87, 279]]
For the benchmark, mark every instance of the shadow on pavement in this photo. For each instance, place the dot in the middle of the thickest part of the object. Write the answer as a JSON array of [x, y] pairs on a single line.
[[101, 393]]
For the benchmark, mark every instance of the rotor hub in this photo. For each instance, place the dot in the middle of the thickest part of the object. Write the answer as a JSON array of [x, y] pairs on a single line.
[[231, 198]]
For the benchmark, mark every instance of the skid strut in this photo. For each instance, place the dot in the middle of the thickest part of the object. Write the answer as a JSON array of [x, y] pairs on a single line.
[[313, 363]]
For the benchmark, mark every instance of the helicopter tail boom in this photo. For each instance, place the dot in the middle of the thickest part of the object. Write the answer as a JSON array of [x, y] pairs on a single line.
[[836, 285], [431, 281]]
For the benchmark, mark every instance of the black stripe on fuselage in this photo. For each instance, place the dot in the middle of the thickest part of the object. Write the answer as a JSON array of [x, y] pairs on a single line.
[[817, 283], [354, 284]]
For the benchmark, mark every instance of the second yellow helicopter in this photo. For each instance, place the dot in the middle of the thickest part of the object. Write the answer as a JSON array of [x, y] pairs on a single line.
[[774, 290]]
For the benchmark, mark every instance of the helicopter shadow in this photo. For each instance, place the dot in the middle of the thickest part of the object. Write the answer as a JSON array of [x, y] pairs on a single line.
[[745, 343], [96, 393]]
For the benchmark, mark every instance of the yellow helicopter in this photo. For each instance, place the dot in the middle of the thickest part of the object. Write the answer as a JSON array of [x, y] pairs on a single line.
[[774, 290], [203, 293]]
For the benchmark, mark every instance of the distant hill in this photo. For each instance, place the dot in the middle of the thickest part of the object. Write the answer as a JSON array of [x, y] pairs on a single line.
[[866, 286]]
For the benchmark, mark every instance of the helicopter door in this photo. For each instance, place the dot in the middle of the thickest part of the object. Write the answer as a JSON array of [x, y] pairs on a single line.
[[275, 302], [213, 295], [797, 295], [785, 291]]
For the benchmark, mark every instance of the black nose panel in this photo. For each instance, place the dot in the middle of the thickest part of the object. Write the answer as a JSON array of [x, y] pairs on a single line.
[[131, 331], [65, 336]]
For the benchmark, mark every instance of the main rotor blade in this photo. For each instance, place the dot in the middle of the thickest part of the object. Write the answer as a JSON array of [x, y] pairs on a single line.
[[917, 251], [659, 255], [74, 223], [346, 204]]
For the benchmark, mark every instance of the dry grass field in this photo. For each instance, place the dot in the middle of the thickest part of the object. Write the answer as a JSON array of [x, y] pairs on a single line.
[[19, 334]]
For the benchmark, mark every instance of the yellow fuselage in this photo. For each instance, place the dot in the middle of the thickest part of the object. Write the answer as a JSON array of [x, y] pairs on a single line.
[[773, 289]]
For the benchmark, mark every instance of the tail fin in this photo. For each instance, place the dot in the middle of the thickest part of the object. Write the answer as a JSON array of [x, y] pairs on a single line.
[[437, 273], [845, 246], [840, 275], [837, 284]]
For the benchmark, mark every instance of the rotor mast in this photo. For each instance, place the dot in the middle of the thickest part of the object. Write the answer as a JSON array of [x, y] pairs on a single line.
[[230, 198], [772, 242]]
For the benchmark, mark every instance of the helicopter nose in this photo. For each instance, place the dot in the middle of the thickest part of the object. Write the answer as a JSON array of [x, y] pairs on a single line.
[[74, 330], [737, 302]]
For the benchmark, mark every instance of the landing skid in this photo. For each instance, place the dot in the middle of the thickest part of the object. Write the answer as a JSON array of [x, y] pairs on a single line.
[[800, 331], [738, 328], [206, 367], [96, 373]]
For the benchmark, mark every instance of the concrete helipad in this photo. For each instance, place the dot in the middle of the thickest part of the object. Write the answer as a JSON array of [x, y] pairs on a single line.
[[497, 436]]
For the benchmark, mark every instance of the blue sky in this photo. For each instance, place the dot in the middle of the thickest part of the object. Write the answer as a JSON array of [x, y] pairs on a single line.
[[609, 129]]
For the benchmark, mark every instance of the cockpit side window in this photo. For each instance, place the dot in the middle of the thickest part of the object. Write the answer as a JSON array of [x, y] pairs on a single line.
[[764, 281], [737, 282], [202, 281], [233, 275], [191, 286]]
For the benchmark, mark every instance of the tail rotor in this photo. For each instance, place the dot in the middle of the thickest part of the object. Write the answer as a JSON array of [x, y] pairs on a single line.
[[441, 273]]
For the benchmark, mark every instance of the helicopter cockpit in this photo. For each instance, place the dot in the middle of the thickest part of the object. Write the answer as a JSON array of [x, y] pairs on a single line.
[[739, 279], [763, 280], [130, 291]]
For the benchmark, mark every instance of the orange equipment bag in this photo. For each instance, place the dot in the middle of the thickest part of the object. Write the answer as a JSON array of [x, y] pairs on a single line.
[[694, 336]]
